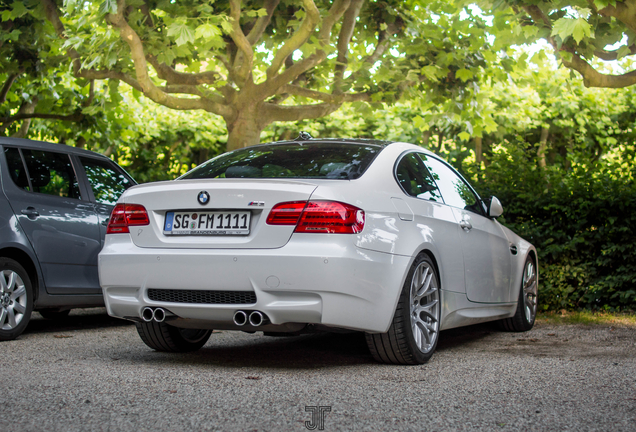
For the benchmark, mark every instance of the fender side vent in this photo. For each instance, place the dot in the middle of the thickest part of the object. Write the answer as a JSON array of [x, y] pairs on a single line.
[[202, 296]]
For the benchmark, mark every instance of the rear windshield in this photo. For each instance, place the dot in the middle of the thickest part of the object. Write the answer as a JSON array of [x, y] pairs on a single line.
[[290, 160]]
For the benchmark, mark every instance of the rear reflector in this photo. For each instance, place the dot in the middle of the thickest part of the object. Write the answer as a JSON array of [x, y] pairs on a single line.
[[330, 217], [125, 215]]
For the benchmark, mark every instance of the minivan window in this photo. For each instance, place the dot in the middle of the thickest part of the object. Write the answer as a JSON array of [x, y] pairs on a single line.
[[292, 160], [16, 168], [107, 183], [51, 173]]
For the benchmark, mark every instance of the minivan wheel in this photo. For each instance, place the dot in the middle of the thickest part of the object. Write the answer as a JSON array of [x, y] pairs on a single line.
[[163, 337], [16, 299]]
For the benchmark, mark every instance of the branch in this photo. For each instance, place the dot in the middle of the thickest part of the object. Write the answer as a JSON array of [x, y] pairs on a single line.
[[149, 89], [325, 97], [612, 55], [274, 80], [367, 63], [78, 116], [6, 87], [171, 76], [262, 22], [593, 78], [294, 113], [625, 12], [346, 33], [307, 27], [245, 58]]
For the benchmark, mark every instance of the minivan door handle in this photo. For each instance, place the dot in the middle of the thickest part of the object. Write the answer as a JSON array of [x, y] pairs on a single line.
[[30, 212]]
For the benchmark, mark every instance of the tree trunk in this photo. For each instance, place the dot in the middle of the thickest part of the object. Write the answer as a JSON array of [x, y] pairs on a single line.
[[479, 154], [543, 144], [244, 129], [426, 137], [26, 108]]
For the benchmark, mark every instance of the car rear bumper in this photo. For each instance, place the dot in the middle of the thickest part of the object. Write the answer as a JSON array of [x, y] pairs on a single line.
[[308, 281]]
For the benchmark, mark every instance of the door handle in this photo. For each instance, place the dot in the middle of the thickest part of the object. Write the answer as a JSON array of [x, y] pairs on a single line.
[[30, 212], [466, 226], [105, 221]]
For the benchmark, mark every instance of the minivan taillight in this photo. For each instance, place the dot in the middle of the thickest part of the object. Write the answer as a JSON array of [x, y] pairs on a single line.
[[125, 215], [330, 217]]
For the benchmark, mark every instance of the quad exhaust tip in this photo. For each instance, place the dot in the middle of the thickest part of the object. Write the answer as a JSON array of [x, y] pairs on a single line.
[[240, 318], [255, 318], [149, 314]]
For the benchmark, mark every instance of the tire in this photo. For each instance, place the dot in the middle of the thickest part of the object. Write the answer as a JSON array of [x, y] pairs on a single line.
[[53, 314], [166, 338], [523, 319], [16, 299], [414, 331]]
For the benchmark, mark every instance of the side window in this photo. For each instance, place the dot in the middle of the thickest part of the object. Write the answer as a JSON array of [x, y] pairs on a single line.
[[455, 190], [51, 173], [16, 168], [107, 183], [415, 179]]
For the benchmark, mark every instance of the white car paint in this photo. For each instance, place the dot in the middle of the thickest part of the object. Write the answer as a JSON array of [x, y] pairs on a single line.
[[349, 281]]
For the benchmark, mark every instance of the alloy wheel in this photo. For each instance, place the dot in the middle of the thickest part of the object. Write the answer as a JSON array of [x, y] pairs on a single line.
[[424, 307], [13, 299]]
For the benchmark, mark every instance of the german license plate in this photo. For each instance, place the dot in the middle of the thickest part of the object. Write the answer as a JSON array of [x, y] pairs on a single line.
[[216, 223]]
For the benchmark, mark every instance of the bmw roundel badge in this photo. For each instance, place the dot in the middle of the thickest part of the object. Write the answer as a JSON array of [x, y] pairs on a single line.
[[203, 198]]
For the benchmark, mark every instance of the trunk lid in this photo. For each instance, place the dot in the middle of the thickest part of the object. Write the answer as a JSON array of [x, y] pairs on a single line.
[[225, 196]]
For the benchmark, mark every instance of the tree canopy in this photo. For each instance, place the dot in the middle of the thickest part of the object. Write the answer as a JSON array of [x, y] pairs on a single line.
[[258, 62], [582, 33]]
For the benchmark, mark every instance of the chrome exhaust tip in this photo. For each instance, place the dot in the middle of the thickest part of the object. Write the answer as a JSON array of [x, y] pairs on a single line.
[[147, 314], [257, 319], [159, 315], [240, 318]]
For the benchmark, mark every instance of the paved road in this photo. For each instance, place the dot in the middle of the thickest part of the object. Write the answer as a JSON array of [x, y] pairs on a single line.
[[94, 373]]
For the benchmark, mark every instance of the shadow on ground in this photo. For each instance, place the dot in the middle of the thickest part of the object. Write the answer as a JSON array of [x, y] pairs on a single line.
[[300, 352], [78, 319]]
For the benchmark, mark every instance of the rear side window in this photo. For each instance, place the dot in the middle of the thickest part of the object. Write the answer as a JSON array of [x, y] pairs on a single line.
[[51, 173], [415, 179], [107, 183], [16, 168], [293, 160]]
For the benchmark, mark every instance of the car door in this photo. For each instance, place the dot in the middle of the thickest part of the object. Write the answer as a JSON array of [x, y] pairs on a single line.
[[107, 182], [485, 247], [433, 221], [57, 218]]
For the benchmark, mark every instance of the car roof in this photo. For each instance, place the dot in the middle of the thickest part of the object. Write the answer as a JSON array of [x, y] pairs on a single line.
[[358, 141], [43, 145]]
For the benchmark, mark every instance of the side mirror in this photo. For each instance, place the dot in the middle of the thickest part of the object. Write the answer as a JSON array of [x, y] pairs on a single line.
[[494, 208]]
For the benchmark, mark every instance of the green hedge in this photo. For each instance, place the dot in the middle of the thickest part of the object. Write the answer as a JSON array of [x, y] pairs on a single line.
[[583, 224]]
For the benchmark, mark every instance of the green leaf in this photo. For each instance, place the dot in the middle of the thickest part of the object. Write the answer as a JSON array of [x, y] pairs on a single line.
[[464, 74], [108, 7], [576, 28], [623, 51], [18, 9], [181, 32], [207, 31], [464, 136]]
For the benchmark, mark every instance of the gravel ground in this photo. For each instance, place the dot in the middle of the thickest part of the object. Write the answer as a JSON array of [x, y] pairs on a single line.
[[92, 372]]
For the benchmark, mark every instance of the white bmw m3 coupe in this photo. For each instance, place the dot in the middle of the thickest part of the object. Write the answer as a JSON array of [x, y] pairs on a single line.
[[311, 235]]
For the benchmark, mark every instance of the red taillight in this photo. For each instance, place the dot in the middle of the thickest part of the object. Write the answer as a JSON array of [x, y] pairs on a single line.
[[318, 217], [286, 213], [125, 215]]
